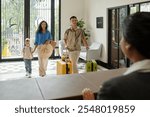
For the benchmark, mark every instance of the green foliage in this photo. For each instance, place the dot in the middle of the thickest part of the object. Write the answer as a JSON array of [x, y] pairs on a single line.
[[12, 15], [81, 24]]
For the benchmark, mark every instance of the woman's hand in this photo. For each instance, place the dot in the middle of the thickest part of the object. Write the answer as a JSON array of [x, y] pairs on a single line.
[[34, 49], [50, 41], [88, 94], [47, 42]]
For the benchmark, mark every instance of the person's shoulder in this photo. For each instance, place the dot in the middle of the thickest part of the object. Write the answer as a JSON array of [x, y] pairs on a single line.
[[113, 88], [37, 32], [123, 79], [31, 47], [47, 31], [67, 31], [80, 29], [115, 80], [109, 89]]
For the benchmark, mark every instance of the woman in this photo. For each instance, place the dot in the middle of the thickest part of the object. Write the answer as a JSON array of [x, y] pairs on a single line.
[[134, 84], [72, 38], [43, 36]]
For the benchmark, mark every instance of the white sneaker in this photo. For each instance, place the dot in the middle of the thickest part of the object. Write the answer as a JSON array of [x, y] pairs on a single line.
[[29, 76]]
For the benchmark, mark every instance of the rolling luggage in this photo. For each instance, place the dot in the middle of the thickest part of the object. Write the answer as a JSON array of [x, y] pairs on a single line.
[[91, 66], [64, 67]]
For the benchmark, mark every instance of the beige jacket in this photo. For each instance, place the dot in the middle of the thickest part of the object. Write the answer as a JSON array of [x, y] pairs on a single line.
[[73, 39], [27, 53]]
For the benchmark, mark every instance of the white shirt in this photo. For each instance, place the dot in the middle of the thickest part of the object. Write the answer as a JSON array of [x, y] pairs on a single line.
[[143, 66]]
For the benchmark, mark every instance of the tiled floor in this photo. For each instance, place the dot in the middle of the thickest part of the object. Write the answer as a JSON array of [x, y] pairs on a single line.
[[16, 70]]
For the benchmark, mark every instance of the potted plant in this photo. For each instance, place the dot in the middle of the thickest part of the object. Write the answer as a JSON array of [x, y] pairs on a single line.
[[81, 24]]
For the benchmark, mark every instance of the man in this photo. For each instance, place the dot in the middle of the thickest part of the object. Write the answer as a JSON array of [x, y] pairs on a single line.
[[73, 37]]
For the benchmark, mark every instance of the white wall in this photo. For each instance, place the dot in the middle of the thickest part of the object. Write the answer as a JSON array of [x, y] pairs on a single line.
[[98, 8], [68, 9]]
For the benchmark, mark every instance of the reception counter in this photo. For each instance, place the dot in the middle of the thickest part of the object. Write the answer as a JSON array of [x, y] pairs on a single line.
[[55, 86]]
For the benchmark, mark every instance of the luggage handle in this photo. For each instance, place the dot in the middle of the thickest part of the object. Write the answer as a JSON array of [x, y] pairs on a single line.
[[67, 55], [87, 55], [67, 64]]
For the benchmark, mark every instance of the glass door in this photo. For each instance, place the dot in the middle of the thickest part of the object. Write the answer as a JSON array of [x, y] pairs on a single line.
[[57, 26], [116, 57], [122, 60], [12, 28], [39, 10], [45, 10], [114, 38]]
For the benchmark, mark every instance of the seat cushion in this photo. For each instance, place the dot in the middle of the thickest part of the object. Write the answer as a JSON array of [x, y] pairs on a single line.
[[95, 46]]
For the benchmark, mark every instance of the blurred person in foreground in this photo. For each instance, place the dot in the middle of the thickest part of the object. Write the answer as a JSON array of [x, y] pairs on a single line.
[[134, 84], [73, 38]]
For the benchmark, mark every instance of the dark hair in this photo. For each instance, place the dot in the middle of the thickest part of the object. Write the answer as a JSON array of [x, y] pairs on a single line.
[[72, 17], [136, 31], [40, 27]]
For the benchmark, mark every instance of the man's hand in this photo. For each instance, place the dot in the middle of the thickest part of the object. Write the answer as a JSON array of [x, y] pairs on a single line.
[[87, 47]]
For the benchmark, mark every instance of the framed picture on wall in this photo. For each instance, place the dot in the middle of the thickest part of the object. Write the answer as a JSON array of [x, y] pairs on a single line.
[[99, 22]]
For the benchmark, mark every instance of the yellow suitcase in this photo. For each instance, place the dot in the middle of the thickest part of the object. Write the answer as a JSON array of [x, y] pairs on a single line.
[[64, 67]]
